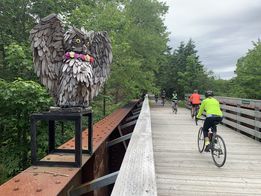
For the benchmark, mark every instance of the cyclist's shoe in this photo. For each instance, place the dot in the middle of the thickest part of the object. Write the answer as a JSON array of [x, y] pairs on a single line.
[[207, 149]]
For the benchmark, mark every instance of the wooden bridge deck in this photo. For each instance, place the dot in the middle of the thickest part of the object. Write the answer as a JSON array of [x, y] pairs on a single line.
[[182, 170]]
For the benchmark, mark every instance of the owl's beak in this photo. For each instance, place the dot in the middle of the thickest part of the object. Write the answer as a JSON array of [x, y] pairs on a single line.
[[85, 49]]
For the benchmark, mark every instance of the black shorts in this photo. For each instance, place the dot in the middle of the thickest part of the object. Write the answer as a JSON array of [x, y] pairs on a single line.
[[194, 105]]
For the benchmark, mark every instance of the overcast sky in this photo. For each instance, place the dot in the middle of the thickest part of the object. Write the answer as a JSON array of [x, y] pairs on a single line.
[[223, 30]]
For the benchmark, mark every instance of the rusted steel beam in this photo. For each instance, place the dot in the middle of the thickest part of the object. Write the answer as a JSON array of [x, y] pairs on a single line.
[[94, 184], [132, 117], [43, 180], [120, 132], [131, 123], [118, 140]]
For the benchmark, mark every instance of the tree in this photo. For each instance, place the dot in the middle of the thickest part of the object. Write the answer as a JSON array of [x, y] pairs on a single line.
[[184, 72], [19, 99], [248, 73]]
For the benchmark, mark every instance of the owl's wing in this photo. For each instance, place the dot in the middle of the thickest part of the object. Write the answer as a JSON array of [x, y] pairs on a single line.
[[47, 40], [101, 50]]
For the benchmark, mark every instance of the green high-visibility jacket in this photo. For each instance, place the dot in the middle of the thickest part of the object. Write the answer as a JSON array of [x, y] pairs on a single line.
[[211, 106]]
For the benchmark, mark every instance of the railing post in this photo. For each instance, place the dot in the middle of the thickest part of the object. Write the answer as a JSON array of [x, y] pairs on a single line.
[[237, 117], [256, 119]]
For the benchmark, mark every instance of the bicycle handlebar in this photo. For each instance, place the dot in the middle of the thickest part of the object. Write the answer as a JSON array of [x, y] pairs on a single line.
[[197, 119]]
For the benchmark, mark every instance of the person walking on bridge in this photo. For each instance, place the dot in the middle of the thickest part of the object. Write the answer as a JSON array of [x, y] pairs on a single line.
[[174, 100], [195, 102], [213, 114], [163, 96]]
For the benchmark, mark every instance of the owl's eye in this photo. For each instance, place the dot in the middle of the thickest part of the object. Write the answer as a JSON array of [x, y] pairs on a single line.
[[78, 41]]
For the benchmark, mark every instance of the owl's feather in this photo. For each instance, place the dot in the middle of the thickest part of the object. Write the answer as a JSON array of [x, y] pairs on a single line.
[[47, 45]]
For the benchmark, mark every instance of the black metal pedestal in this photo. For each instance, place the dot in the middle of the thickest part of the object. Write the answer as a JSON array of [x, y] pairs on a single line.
[[62, 115]]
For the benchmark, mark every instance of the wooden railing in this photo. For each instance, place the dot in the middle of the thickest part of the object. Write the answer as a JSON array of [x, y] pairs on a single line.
[[137, 172], [243, 115]]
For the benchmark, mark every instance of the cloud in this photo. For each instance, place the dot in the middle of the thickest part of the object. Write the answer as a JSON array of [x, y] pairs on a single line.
[[222, 30]]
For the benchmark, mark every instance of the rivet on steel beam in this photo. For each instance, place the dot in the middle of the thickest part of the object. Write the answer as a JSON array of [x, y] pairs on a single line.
[[38, 190], [17, 180], [15, 189], [57, 182]]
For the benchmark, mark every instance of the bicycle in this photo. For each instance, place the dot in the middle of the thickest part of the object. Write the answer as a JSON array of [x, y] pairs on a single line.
[[156, 99], [217, 144], [163, 100], [174, 106], [195, 112]]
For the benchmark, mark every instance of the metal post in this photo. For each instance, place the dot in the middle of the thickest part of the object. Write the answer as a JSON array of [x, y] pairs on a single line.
[[51, 142], [90, 132], [33, 140], [104, 100], [78, 141]]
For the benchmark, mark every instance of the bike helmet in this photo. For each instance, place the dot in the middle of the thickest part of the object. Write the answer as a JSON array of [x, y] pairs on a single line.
[[195, 91], [209, 93]]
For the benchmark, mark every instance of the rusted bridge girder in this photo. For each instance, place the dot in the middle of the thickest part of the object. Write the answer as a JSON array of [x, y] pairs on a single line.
[[106, 158]]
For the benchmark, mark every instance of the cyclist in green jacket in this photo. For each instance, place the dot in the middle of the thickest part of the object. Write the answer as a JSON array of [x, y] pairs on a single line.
[[213, 114]]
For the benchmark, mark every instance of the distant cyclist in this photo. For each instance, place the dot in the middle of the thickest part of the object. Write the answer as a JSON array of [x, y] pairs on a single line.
[[213, 114], [174, 100], [195, 102], [156, 97], [163, 96]]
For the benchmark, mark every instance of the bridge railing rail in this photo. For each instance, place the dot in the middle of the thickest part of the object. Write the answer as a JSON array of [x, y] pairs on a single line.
[[137, 172]]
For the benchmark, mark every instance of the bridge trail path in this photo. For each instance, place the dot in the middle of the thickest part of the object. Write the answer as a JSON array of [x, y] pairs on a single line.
[[182, 170]]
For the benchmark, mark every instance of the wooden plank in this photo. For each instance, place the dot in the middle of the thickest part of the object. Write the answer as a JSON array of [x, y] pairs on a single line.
[[243, 119], [243, 128], [241, 110], [239, 101], [137, 172], [182, 170]]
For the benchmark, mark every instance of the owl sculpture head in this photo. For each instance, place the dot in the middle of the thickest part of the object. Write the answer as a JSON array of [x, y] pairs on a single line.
[[73, 65], [77, 41]]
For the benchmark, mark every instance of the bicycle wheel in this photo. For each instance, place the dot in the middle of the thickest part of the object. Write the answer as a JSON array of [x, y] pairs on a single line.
[[218, 151], [201, 141]]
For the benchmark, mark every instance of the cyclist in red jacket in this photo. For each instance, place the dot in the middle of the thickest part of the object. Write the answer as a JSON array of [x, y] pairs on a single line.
[[195, 101]]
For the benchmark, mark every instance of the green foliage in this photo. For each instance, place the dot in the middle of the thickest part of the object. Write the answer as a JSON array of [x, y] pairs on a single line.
[[18, 63], [248, 72], [19, 99], [183, 72]]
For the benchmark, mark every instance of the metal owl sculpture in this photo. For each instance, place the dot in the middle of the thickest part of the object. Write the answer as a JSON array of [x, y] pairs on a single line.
[[73, 65]]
